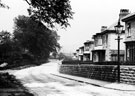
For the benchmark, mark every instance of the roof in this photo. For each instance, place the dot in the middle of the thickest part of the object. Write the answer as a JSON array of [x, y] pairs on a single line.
[[77, 49], [89, 42], [110, 29], [129, 17], [82, 47]]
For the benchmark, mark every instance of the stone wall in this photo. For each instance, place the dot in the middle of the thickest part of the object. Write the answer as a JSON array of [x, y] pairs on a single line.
[[127, 74], [99, 72]]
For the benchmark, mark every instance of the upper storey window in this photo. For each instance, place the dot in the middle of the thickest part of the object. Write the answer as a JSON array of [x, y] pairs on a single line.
[[129, 29], [99, 41]]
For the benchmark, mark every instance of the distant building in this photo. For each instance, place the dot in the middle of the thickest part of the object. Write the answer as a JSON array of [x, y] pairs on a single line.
[[105, 43], [88, 47], [76, 54], [130, 36], [81, 50]]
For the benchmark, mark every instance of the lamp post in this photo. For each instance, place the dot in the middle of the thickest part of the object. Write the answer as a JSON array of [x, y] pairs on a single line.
[[118, 29]]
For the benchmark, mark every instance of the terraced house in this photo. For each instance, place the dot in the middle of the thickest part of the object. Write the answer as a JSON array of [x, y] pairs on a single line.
[[130, 37], [105, 42], [88, 47], [80, 54]]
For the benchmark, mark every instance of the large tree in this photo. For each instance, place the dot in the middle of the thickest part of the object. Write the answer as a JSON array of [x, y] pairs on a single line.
[[35, 38], [51, 12]]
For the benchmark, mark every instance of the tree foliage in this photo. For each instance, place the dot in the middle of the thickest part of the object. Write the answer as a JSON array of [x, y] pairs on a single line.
[[51, 12], [10, 52], [35, 38], [5, 43], [3, 5]]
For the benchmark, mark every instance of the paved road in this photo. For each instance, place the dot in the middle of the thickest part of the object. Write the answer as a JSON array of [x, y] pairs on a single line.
[[40, 81]]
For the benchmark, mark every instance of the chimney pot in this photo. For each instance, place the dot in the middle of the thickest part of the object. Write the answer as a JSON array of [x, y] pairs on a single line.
[[123, 13], [103, 28]]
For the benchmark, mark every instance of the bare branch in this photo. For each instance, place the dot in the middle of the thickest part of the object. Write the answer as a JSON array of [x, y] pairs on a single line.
[[28, 2]]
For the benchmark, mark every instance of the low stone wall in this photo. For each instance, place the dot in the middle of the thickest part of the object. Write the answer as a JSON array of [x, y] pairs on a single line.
[[127, 74], [99, 72]]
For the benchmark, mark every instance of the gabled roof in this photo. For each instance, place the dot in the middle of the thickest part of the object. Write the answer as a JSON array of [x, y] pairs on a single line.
[[110, 29], [129, 17], [82, 47], [89, 42]]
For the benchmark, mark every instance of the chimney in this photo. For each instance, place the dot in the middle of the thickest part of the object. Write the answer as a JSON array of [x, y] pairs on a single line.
[[103, 28], [123, 12]]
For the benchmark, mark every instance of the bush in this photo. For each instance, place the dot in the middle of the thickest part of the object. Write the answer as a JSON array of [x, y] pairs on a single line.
[[10, 82]]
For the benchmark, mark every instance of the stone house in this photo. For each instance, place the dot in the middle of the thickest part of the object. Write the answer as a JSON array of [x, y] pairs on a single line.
[[105, 42], [88, 47], [80, 55], [130, 37], [76, 54], [105, 45]]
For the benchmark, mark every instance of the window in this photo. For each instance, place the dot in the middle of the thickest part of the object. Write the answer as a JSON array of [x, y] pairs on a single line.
[[87, 47], [130, 52], [99, 40], [129, 29], [127, 54], [96, 42], [114, 57], [103, 39]]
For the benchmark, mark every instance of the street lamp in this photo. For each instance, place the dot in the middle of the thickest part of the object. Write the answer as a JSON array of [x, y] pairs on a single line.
[[118, 29]]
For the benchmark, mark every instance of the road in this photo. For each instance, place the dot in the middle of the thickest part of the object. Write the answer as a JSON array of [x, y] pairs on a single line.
[[41, 82]]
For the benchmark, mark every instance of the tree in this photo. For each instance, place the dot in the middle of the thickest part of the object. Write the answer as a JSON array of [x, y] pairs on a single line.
[[5, 45], [51, 12], [35, 38], [3, 5], [9, 50], [4, 36]]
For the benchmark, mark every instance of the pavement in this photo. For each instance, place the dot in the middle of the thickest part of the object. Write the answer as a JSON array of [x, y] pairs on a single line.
[[99, 83]]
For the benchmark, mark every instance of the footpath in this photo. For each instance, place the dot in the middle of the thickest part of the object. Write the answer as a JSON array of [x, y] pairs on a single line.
[[99, 83]]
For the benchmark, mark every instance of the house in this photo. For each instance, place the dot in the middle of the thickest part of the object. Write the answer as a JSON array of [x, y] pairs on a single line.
[[76, 54], [88, 47], [105, 46], [81, 50], [130, 37], [105, 42], [98, 50]]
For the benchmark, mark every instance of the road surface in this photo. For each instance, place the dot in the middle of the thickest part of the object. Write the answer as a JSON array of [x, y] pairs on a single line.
[[41, 82]]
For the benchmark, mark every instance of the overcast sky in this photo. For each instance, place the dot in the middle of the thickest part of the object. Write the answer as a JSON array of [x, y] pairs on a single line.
[[89, 16]]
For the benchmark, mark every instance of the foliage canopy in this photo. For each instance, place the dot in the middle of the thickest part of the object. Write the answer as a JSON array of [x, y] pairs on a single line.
[[51, 12], [35, 38]]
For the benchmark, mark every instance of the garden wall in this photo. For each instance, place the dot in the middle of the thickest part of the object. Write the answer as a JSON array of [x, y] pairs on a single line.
[[127, 74], [101, 72]]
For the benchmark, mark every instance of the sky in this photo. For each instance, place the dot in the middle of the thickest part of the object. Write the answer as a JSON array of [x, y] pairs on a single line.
[[89, 16]]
